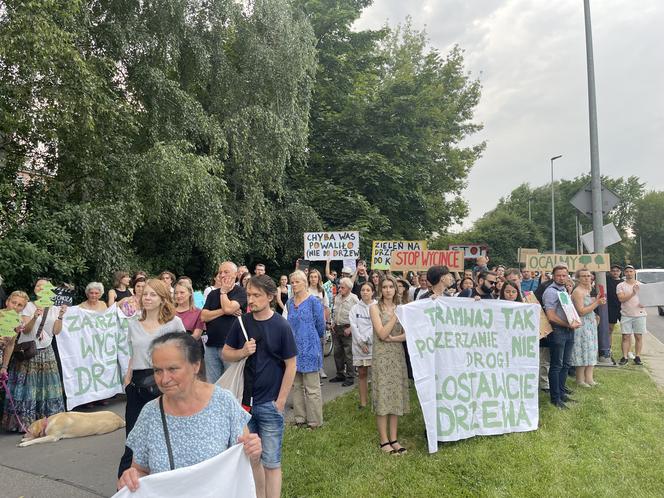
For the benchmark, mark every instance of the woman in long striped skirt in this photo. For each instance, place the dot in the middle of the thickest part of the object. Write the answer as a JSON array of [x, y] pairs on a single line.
[[35, 382]]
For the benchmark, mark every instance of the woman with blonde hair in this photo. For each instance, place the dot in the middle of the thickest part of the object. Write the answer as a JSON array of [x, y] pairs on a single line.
[[389, 376], [158, 317], [190, 315], [34, 376]]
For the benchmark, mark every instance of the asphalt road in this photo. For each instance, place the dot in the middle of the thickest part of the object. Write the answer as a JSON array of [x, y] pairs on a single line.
[[656, 324], [81, 467]]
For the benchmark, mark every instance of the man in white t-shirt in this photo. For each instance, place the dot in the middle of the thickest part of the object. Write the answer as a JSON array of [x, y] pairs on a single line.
[[633, 315]]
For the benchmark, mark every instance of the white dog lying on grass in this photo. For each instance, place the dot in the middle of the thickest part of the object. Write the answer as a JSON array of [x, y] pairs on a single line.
[[71, 424]]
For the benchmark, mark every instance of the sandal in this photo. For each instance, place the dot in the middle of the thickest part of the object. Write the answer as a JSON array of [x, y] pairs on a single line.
[[401, 450], [391, 452]]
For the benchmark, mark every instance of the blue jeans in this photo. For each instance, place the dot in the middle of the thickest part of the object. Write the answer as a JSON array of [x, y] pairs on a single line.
[[561, 342], [214, 367], [268, 423]]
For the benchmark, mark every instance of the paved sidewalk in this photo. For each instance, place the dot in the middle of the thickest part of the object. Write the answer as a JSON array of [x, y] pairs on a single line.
[[653, 358]]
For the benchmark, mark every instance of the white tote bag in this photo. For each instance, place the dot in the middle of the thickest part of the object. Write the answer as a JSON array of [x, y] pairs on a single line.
[[233, 377]]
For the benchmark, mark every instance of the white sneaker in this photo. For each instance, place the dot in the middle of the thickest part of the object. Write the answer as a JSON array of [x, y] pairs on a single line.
[[322, 373], [630, 355]]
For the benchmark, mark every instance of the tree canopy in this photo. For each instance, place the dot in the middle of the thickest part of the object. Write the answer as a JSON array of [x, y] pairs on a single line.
[[177, 133]]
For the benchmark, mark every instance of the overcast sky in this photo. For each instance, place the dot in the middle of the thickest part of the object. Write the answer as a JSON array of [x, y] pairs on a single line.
[[530, 58]]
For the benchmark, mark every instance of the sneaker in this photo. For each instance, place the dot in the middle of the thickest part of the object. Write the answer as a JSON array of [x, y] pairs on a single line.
[[323, 375], [637, 360], [338, 378], [347, 382], [622, 362], [583, 384]]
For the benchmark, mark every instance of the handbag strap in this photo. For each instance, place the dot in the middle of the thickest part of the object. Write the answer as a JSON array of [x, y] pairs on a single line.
[[244, 331], [166, 436], [44, 315]]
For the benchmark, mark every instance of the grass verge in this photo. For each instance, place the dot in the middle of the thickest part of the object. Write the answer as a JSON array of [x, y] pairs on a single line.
[[608, 444]]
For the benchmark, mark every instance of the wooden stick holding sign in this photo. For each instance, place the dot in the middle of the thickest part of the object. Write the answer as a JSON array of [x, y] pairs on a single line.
[[423, 260]]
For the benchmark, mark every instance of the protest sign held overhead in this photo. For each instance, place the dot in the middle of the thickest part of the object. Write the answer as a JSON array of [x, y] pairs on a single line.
[[94, 352], [470, 251], [9, 320], [546, 262], [422, 260], [321, 246], [475, 365], [381, 251], [46, 296]]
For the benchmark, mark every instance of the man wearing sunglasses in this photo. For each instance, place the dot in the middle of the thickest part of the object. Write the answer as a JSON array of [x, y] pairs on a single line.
[[486, 281]]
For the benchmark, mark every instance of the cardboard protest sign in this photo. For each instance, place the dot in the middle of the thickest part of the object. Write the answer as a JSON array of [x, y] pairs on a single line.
[[546, 262], [92, 345], [423, 260], [470, 251], [475, 364], [523, 252], [545, 327], [568, 307], [9, 320], [227, 474], [321, 246], [46, 296], [381, 251], [651, 294]]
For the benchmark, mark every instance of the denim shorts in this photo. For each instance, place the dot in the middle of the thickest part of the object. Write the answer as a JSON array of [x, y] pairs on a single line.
[[268, 423], [633, 324]]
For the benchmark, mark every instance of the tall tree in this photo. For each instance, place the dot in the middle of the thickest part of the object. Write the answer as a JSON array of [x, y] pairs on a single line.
[[649, 230]]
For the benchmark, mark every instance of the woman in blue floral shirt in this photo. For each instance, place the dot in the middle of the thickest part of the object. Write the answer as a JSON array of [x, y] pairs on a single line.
[[306, 317]]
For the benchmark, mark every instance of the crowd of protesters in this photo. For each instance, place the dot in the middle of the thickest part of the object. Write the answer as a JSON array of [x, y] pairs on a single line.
[[281, 334]]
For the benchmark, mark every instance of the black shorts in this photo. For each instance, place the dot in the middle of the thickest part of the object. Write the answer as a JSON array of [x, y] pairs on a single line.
[[614, 315]]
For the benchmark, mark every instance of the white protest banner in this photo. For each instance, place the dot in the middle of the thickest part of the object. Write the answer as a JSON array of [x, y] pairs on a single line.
[[321, 246], [92, 346], [381, 251], [227, 474], [475, 365], [651, 294]]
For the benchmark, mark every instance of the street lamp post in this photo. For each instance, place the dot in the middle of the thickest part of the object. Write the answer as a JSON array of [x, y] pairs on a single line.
[[530, 214], [553, 209]]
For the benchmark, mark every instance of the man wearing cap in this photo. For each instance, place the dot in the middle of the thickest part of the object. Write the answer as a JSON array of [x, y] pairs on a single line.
[[613, 306], [633, 315], [561, 340], [341, 335]]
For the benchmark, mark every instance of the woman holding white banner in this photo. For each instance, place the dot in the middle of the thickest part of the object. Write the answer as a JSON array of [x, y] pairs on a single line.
[[192, 421], [93, 292], [157, 318], [389, 376]]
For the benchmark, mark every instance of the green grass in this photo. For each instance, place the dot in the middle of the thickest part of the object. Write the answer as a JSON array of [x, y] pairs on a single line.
[[608, 444]]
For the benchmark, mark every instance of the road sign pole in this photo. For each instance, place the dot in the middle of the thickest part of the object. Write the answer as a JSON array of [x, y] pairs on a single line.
[[604, 338]]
